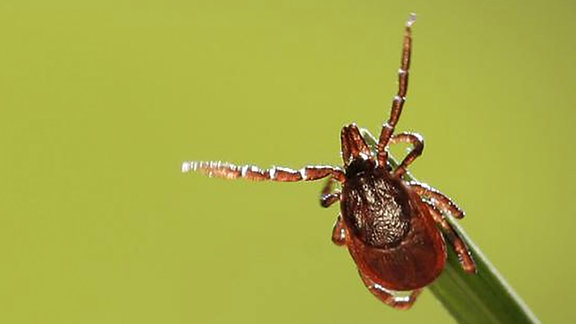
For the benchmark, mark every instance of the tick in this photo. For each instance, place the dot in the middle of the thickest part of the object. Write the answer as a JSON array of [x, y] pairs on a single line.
[[394, 229]]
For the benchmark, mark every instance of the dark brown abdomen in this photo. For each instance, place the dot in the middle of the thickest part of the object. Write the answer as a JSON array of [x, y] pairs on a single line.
[[411, 257]]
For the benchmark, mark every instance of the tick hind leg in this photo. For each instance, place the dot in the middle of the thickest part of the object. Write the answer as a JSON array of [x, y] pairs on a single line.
[[327, 198], [388, 297], [250, 172], [454, 239]]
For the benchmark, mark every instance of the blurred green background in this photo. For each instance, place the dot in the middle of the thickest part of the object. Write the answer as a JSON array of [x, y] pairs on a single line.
[[101, 102]]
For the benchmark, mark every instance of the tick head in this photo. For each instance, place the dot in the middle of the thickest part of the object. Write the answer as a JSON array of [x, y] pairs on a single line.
[[353, 145], [359, 168]]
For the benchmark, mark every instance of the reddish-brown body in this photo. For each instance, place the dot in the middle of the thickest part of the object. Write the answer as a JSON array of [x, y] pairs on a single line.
[[410, 261], [389, 225]]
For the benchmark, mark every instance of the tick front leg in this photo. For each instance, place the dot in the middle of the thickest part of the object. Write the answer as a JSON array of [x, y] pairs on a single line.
[[250, 172], [400, 98], [454, 239], [329, 196], [437, 199], [387, 297], [417, 147]]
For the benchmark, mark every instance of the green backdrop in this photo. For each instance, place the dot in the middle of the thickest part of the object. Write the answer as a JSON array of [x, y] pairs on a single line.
[[101, 101]]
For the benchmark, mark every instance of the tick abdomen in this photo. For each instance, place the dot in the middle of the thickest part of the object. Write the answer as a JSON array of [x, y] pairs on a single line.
[[392, 239], [374, 206]]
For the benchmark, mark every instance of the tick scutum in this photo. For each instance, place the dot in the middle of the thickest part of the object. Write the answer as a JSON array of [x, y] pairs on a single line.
[[375, 205]]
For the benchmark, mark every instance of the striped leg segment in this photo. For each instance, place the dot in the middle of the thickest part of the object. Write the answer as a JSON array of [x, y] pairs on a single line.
[[400, 98], [437, 199], [417, 147], [455, 240], [328, 196], [250, 172]]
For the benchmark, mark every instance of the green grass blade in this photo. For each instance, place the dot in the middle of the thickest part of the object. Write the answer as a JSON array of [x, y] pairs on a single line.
[[481, 298]]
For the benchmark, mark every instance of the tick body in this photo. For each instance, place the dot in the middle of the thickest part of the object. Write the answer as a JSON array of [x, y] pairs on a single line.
[[394, 230], [393, 240]]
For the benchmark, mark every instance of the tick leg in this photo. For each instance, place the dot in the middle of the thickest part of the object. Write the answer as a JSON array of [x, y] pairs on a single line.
[[339, 232], [437, 199], [250, 172], [455, 240], [417, 147], [400, 98], [328, 196], [398, 302]]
